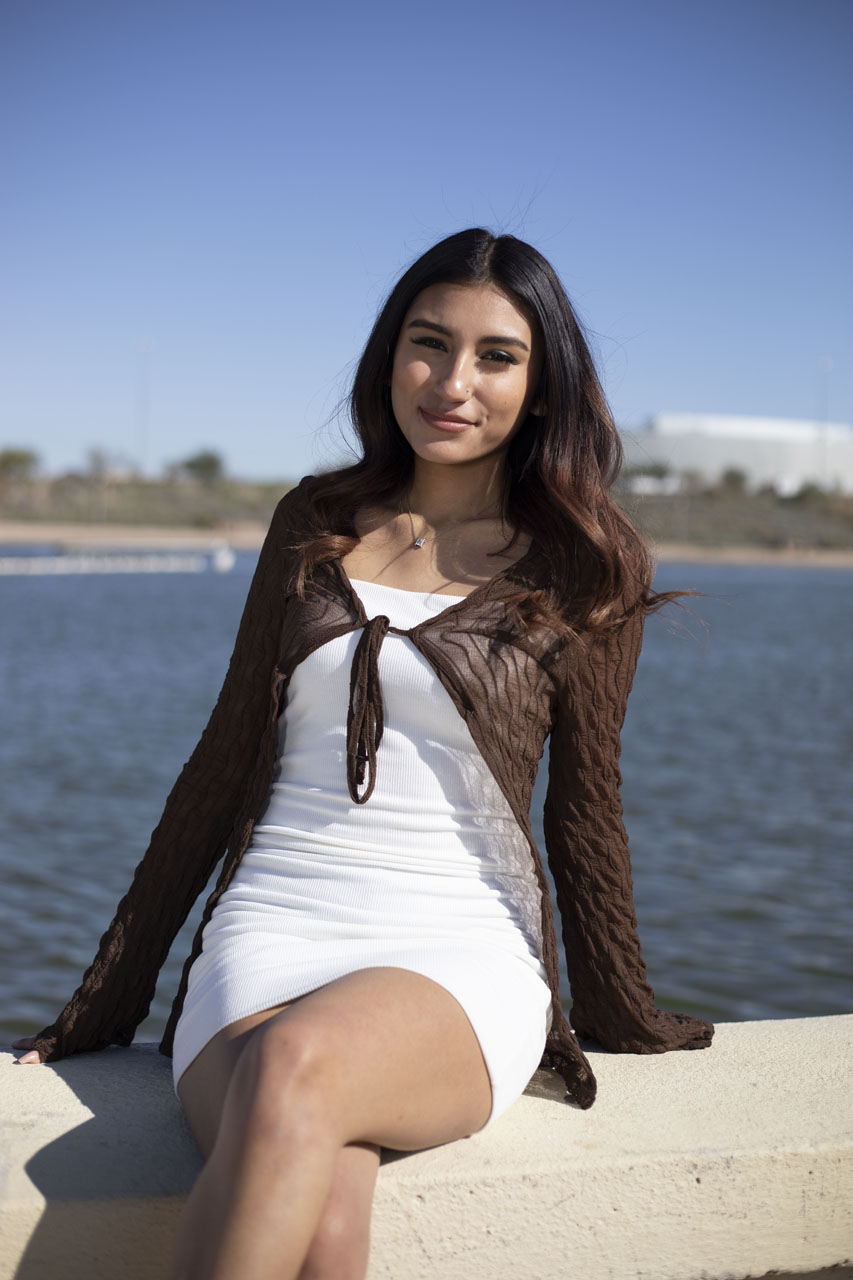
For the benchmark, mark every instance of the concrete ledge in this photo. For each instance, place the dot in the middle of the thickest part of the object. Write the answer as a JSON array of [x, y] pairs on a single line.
[[731, 1162]]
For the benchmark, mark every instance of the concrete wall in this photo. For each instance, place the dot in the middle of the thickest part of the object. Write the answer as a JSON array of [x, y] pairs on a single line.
[[731, 1162]]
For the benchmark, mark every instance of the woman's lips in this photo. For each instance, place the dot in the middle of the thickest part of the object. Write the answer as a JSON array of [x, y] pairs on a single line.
[[445, 424]]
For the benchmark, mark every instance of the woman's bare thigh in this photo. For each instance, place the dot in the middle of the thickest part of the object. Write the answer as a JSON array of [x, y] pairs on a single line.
[[401, 1063], [204, 1083]]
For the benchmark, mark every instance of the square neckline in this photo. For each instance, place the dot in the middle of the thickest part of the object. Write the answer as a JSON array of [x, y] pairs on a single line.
[[407, 591]]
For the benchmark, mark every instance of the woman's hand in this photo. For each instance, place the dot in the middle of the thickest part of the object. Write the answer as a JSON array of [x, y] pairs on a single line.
[[27, 1042]]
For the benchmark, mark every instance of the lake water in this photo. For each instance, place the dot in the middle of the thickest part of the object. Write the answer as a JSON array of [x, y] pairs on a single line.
[[736, 765]]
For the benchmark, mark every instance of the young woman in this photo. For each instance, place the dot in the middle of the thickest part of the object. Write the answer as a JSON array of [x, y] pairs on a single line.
[[377, 966]]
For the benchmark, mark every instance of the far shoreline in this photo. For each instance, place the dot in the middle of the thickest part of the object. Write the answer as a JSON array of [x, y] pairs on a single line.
[[247, 535], [784, 557]]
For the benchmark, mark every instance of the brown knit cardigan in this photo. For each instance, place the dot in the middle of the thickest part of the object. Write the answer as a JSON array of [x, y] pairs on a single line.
[[513, 688]]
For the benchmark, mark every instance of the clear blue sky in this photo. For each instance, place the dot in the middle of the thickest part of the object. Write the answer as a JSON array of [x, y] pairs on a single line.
[[205, 201]]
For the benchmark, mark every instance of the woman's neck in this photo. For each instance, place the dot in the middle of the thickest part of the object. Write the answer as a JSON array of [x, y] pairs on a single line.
[[446, 496]]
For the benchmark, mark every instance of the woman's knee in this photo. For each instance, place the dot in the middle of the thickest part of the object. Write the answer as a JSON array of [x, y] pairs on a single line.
[[286, 1075]]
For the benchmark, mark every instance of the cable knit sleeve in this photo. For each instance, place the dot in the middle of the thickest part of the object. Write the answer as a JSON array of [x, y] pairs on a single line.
[[588, 854], [192, 834]]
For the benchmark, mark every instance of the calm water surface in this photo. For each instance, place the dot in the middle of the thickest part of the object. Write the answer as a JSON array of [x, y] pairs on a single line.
[[736, 766]]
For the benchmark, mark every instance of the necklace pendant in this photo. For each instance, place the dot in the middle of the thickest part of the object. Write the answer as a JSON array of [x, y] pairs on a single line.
[[419, 542]]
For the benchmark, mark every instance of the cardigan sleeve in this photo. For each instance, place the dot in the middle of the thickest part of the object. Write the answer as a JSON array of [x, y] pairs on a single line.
[[589, 858], [191, 837]]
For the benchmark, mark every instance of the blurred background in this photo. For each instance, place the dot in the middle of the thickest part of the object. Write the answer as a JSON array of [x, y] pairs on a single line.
[[204, 205]]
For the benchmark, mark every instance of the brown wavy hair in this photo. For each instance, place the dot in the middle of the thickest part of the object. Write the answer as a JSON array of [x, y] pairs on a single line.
[[560, 464]]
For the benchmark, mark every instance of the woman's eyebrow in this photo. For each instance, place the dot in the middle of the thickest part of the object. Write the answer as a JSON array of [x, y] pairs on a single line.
[[500, 340]]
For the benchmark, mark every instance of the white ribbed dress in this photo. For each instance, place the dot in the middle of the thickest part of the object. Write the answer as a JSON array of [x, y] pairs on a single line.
[[431, 874]]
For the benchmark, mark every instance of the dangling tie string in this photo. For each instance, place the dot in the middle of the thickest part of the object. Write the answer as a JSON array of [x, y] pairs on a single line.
[[365, 717]]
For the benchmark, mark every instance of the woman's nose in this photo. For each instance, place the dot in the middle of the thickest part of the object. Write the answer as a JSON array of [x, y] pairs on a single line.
[[454, 378]]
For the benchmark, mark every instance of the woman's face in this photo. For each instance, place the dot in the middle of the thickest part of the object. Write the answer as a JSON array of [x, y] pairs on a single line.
[[465, 371]]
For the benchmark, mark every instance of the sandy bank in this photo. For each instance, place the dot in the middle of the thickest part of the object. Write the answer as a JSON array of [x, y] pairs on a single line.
[[248, 536], [808, 557], [241, 535]]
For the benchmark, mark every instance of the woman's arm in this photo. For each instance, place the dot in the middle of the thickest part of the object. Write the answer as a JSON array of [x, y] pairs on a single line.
[[588, 855], [192, 834]]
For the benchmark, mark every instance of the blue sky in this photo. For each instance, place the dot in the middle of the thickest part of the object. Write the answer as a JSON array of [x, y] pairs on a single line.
[[204, 203]]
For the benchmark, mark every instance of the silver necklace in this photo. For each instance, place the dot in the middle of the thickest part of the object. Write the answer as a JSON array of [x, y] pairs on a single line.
[[418, 541]]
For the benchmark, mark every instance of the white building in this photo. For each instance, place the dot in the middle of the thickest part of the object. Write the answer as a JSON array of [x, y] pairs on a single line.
[[783, 452]]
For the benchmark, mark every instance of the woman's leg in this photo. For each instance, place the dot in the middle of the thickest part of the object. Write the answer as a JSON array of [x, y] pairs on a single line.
[[382, 1057], [341, 1243]]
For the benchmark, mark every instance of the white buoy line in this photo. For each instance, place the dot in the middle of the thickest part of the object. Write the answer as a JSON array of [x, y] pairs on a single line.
[[220, 559]]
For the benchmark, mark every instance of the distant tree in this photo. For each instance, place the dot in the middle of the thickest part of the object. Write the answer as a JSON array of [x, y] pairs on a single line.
[[98, 464], [810, 494], [104, 467], [733, 481], [207, 467], [657, 470], [692, 481], [18, 465]]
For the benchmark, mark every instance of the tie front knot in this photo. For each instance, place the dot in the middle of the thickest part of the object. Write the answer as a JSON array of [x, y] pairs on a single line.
[[365, 717]]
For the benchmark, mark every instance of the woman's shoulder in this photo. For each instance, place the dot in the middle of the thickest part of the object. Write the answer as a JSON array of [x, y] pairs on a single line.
[[296, 504], [299, 492]]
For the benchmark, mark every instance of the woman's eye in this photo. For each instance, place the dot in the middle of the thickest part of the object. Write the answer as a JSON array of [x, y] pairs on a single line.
[[438, 344], [434, 343]]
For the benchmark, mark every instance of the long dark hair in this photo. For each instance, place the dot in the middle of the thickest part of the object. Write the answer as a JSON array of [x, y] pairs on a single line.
[[560, 464]]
